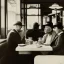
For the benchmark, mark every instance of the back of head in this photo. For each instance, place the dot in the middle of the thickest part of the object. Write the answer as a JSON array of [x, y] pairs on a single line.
[[36, 25]]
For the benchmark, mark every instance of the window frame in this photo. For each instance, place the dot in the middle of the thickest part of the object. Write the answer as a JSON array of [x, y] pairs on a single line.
[[25, 13]]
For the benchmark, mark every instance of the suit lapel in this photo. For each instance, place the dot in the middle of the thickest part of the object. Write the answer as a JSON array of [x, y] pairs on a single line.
[[57, 36], [54, 36], [16, 32]]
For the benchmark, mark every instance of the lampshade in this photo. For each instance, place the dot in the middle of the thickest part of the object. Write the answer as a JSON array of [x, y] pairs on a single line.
[[55, 6]]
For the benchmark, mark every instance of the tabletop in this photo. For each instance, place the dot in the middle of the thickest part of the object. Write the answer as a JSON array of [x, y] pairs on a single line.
[[34, 48]]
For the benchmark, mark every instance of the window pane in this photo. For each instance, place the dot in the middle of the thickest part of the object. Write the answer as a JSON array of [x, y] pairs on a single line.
[[32, 11], [54, 20], [11, 20], [33, 5], [44, 20], [22, 5], [39, 21], [39, 12], [2, 18], [31, 20]]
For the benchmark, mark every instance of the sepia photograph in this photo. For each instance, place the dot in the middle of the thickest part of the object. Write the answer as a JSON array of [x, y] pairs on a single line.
[[31, 31]]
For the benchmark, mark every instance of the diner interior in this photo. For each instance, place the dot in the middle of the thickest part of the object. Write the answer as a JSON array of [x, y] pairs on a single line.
[[25, 11], [28, 12]]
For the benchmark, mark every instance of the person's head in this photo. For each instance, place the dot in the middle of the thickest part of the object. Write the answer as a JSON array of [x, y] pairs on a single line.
[[58, 27], [18, 25], [48, 27], [36, 25]]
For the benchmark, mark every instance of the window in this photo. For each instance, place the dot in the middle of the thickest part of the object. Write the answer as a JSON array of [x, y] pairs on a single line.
[[33, 15], [3, 18], [31, 20], [30, 14]]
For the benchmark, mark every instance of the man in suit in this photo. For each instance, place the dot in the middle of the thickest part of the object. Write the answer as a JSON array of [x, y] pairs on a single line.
[[49, 35], [58, 43], [13, 39]]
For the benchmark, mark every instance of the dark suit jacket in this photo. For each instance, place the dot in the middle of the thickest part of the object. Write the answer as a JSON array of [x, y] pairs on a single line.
[[13, 40], [35, 34], [11, 56], [58, 45]]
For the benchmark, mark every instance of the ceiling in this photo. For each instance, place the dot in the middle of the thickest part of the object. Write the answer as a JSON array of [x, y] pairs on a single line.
[[45, 4], [45, 7], [40, 1]]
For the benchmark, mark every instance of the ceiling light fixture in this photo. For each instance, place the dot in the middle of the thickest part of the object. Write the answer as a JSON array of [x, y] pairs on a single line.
[[55, 6]]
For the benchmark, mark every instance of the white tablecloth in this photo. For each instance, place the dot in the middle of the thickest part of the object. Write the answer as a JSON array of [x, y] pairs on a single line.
[[30, 48]]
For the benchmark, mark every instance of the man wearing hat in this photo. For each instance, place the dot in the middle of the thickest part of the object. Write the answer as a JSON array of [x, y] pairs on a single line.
[[49, 34], [58, 43], [13, 39]]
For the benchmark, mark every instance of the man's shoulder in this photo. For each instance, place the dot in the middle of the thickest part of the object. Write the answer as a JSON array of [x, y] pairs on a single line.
[[11, 32], [62, 34], [54, 33]]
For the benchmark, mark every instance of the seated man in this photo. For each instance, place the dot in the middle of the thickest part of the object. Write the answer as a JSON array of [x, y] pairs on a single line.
[[49, 34], [58, 43], [35, 33], [13, 39]]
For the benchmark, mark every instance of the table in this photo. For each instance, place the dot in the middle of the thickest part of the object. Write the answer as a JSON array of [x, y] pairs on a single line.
[[29, 48]]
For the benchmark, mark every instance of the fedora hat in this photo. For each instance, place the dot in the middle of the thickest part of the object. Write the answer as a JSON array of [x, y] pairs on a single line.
[[49, 24], [18, 23], [59, 25]]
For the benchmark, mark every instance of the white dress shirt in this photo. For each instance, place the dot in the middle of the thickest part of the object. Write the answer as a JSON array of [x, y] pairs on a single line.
[[48, 39]]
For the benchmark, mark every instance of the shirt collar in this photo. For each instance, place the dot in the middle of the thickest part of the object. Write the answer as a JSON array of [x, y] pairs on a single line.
[[60, 32]]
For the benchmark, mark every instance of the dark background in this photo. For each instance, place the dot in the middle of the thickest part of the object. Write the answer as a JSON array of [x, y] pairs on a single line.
[[45, 4]]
